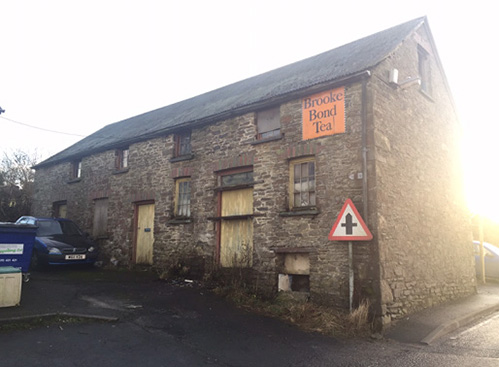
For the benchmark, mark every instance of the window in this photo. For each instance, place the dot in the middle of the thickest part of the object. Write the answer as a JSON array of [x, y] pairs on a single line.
[[183, 197], [302, 183], [424, 70], [234, 179], [60, 209], [182, 144], [121, 162], [269, 123], [76, 169]]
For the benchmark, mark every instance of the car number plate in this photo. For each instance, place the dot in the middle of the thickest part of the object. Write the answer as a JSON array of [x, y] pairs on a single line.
[[75, 257]]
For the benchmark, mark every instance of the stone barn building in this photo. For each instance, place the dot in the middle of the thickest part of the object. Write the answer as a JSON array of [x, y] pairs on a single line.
[[253, 176]]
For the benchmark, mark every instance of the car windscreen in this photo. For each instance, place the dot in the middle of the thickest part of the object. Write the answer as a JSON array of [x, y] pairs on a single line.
[[54, 227]]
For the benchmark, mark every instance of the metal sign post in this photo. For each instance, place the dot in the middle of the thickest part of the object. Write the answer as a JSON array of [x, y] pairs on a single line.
[[349, 226], [350, 271]]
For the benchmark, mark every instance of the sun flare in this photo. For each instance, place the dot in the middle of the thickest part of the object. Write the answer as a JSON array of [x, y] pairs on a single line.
[[480, 159]]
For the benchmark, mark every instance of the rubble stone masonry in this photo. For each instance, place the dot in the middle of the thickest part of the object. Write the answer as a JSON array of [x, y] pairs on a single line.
[[416, 190], [421, 253]]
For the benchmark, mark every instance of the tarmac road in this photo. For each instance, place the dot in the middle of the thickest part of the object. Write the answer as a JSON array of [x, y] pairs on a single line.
[[159, 324], [155, 323]]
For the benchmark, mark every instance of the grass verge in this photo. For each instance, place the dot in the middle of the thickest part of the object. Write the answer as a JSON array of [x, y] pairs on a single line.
[[304, 314]]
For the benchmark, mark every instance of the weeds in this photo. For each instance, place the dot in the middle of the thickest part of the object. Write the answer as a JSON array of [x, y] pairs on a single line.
[[306, 315], [237, 283], [323, 319], [359, 318], [186, 265]]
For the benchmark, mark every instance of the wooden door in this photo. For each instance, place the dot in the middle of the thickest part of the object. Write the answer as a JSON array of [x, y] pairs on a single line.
[[236, 236], [144, 234]]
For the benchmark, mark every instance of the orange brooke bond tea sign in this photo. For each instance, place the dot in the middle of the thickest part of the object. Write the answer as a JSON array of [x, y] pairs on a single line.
[[324, 114]]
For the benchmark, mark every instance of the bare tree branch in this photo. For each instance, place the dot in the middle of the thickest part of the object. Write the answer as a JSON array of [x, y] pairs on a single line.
[[16, 167], [16, 184]]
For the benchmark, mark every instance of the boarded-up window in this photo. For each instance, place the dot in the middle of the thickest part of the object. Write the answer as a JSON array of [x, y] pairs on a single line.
[[100, 217], [302, 183], [183, 197], [269, 123], [294, 272]]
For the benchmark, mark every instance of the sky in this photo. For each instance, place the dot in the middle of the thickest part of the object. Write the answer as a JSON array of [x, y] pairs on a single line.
[[74, 66]]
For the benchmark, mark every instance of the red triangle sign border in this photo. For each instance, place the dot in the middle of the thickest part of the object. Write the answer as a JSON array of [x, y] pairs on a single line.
[[367, 237]]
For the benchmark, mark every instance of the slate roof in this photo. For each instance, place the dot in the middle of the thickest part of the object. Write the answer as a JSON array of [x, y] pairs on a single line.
[[338, 63]]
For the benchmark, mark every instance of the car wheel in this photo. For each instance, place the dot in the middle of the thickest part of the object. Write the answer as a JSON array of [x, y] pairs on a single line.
[[36, 262]]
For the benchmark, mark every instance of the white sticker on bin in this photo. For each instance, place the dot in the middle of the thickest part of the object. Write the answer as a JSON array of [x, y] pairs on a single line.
[[11, 249]]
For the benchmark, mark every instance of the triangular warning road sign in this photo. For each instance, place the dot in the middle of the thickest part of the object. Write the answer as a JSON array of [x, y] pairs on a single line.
[[349, 225]]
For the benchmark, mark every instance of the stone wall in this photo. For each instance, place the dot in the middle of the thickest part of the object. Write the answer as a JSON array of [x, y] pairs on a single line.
[[420, 253], [216, 147], [422, 227]]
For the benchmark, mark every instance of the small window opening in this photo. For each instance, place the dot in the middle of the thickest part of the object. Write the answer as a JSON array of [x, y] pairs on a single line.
[[60, 209], [182, 144], [294, 273], [294, 283], [234, 179], [268, 123], [122, 158], [76, 169]]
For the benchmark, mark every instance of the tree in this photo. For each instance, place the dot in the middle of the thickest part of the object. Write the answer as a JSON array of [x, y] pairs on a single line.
[[16, 184], [16, 168]]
